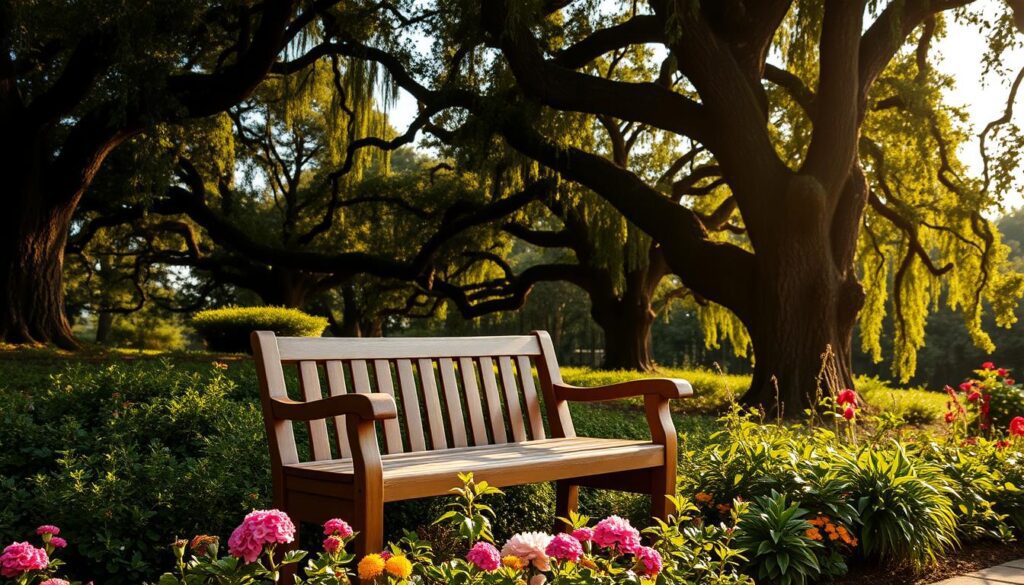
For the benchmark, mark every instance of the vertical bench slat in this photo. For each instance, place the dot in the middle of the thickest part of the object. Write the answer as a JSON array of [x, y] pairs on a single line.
[[515, 409], [473, 404], [309, 379], [411, 405], [385, 385], [336, 386], [532, 401], [433, 404], [493, 401], [454, 401]]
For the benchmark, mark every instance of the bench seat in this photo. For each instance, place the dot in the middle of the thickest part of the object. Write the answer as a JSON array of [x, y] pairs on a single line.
[[431, 473]]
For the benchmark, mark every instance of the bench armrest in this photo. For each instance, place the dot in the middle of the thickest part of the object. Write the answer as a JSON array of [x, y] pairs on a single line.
[[666, 388], [365, 406]]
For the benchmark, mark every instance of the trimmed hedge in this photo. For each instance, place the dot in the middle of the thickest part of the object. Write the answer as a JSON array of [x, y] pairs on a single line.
[[229, 329]]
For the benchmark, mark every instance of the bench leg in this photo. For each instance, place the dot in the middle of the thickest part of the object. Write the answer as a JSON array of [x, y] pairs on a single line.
[[567, 499], [369, 520], [663, 483]]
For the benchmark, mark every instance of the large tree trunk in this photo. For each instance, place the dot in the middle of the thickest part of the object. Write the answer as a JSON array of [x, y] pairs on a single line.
[[627, 337], [35, 226], [627, 319], [804, 307]]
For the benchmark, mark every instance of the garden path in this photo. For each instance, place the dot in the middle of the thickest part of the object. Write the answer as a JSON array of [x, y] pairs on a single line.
[[1008, 573]]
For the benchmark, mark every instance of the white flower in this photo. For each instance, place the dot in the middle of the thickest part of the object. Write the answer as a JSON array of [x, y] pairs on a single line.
[[529, 546]]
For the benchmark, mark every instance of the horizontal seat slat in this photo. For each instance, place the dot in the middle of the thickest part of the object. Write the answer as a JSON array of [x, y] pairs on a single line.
[[433, 473], [323, 348]]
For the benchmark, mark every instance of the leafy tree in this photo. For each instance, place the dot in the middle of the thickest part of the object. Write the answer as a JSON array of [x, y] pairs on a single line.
[[78, 79], [838, 154]]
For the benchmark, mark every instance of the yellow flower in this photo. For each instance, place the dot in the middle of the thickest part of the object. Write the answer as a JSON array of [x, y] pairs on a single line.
[[399, 566], [371, 567], [513, 562]]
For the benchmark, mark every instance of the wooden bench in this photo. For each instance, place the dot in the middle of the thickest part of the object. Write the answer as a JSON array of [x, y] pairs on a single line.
[[459, 405]]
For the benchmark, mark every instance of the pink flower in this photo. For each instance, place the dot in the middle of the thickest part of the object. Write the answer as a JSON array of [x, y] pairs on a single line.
[[616, 533], [849, 413], [55, 581], [58, 542], [48, 529], [583, 534], [847, 396], [530, 547], [338, 527], [651, 560], [973, 396], [484, 556], [20, 558], [386, 554], [988, 366], [1017, 426], [260, 528], [564, 548], [333, 544]]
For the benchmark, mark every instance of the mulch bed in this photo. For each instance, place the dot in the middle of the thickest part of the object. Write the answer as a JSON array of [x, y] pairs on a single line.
[[972, 557]]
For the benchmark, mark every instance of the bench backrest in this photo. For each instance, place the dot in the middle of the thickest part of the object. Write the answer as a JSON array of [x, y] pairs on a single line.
[[451, 392]]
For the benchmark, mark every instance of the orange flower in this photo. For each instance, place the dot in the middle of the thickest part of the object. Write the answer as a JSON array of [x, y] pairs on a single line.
[[724, 508], [703, 497], [513, 562], [813, 534], [371, 567]]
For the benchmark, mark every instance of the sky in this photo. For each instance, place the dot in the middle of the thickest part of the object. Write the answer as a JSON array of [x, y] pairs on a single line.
[[958, 54]]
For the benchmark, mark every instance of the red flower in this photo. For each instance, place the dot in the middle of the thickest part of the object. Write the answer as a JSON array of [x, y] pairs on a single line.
[[1017, 426], [966, 386], [849, 413], [985, 426], [988, 366], [970, 441], [1002, 444], [1009, 381], [950, 416], [1002, 372], [973, 396], [847, 396]]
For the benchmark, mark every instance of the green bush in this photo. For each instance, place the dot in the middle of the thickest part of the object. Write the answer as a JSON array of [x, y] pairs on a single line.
[[1006, 402], [903, 504], [148, 332], [773, 533], [229, 329], [123, 457]]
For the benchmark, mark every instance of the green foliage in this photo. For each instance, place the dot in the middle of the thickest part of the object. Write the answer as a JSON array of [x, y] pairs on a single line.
[[772, 533], [122, 456], [229, 329], [468, 513], [903, 504], [1006, 401]]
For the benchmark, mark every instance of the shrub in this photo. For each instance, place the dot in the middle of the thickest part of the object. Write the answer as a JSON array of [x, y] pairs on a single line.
[[775, 535], [229, 329], [903, 505], [125, 456]]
